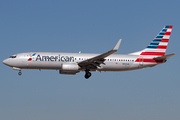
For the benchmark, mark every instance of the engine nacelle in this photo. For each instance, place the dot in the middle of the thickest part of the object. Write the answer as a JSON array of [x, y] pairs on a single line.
[[69, 68]]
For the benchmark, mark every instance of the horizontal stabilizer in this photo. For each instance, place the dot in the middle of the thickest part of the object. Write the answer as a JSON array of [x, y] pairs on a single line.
[[164, 57]]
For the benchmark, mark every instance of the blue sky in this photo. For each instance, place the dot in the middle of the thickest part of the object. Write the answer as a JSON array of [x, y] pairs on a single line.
[[90, 27]]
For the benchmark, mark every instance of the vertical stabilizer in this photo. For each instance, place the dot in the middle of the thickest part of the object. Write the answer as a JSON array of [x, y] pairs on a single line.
[[158, 46]]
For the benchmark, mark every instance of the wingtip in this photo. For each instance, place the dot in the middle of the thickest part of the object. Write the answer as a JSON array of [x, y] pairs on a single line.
[[116, 47]]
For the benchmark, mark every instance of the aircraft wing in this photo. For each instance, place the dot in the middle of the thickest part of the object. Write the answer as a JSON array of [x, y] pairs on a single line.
[[92, 63], [164, 57]]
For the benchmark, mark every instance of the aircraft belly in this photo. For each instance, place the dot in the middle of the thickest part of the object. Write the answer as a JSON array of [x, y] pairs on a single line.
[[115, 67], [44, 65]]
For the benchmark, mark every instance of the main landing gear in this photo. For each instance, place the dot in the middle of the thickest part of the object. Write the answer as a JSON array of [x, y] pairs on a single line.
[[88, 74]]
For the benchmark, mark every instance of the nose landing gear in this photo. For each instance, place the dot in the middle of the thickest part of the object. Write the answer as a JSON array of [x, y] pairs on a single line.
[[19, 73], [88, 74]]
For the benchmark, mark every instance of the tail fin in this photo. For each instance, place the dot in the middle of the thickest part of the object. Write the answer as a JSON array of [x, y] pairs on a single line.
[[158, 46]]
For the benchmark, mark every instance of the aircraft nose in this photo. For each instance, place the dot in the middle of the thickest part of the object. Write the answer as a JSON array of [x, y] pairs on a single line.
[[6, 61]]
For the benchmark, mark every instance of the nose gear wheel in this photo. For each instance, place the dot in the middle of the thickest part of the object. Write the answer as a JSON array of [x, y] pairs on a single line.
[[19, 73]]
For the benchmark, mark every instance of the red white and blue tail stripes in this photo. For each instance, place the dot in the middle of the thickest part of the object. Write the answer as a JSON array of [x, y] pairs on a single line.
[[158, 46]]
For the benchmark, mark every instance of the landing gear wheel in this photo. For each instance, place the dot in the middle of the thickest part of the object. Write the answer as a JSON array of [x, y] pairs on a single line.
[[87, 75], [19, 73]]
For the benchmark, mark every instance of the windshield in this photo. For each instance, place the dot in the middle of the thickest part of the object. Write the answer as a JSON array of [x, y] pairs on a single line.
[[12, 56]]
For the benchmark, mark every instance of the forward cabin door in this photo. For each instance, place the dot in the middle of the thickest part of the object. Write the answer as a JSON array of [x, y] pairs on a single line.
[[141, 62], [29, 59]]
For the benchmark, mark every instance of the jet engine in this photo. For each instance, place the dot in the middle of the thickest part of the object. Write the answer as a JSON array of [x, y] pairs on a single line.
[[69, 68]]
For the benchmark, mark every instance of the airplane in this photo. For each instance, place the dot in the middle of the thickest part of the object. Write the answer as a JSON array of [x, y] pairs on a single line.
[[72, 63]]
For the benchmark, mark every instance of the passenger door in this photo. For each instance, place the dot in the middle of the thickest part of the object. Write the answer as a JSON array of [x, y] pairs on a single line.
[[141, 62]]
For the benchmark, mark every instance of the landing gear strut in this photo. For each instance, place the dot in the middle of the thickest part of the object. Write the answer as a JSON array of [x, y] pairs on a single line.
[[19, 73], [88, 74]]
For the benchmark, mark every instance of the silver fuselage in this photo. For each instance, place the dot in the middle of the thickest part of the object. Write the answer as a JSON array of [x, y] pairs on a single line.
[[54, 61]]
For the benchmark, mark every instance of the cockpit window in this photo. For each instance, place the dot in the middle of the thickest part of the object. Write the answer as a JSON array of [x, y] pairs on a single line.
[[12, 56]]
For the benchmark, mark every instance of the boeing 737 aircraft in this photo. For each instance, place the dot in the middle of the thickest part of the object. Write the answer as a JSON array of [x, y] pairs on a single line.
[[72, 63]]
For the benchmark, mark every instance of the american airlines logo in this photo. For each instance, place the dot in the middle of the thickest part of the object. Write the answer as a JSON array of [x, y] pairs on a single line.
[[31, 57]]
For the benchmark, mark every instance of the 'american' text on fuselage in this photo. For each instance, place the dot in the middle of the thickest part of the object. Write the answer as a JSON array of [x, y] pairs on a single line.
[[55, 58]]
